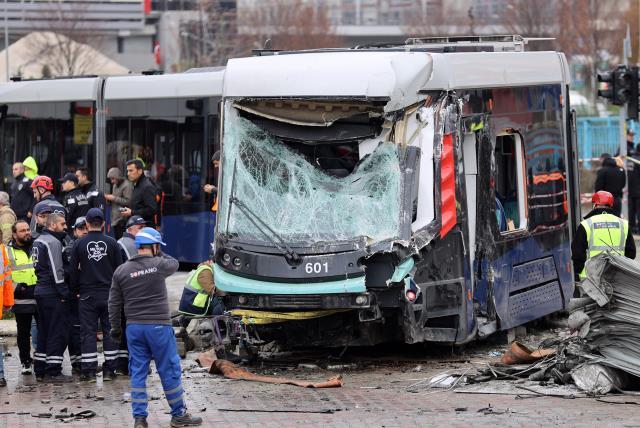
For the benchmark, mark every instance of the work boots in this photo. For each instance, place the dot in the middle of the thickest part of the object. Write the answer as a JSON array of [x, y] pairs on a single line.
[[140, 423], [185, 420]]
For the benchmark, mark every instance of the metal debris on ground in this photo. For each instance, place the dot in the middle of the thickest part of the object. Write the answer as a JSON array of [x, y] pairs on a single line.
[[232, 371]]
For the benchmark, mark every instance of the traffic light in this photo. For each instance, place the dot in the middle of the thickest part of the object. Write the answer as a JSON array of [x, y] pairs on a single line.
[[622, 88], [634, 93], [607, 78]]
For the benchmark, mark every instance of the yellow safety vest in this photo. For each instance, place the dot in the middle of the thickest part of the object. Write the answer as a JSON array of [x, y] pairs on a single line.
[[22, 266], [195, 301], [605, 232]]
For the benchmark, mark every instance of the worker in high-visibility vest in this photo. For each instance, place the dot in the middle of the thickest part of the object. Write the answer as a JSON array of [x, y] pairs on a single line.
[[199, 294], [600, 231], [24, 282]]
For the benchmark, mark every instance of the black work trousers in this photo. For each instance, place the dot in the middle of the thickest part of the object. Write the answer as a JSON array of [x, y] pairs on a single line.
[[122, 362], [93, 308], [53, 333], [23, 322], [75, 350], [634, 213]]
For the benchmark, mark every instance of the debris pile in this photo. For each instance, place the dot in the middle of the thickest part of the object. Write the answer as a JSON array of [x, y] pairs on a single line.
[[603, 353]]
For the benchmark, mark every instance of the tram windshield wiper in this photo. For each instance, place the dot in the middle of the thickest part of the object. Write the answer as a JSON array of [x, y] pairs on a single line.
[[289, 254]]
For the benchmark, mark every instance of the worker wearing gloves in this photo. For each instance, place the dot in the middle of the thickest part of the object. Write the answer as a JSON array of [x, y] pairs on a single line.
[[198, 296], [601, 231], [139, 286]]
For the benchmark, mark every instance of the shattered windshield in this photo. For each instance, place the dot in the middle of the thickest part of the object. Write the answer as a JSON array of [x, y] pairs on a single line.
[[299, 200]]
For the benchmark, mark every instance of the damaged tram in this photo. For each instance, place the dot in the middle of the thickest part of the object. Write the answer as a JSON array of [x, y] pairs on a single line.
[[414, 193]]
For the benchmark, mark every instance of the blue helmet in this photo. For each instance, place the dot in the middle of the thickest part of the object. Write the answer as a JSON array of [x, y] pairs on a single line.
[[148, 236]]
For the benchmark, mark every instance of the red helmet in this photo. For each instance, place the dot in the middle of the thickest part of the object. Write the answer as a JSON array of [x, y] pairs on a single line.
[[602, 197], [42, 181]]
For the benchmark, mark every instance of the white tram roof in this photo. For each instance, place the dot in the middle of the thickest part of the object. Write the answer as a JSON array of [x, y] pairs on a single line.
[[393, 75], [49, 90], [179, 85]]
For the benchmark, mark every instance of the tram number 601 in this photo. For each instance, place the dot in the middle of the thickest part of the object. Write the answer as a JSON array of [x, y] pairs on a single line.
[[316, 267]]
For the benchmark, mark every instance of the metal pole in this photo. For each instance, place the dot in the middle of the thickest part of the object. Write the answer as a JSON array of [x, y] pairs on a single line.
[[6, 40]]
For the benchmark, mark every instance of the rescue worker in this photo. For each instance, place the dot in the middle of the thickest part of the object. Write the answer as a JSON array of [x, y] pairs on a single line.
[[127, 243], [198, 298], [74, 200], [139, 286], [6, 299], [21, 194], [95, 197], [94, 258], [7, 218], [600, 231], [30, 168], [52, 297], [120, 197], [128, 249], [40, 213], [75, 334], [143, 198], [42, 188], [24, 280], [611, 178]]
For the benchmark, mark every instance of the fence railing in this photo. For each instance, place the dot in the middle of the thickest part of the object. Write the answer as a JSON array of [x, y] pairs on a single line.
[[598, 135]]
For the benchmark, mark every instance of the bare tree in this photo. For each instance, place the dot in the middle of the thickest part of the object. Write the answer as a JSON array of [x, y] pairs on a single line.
[[531, 18], [63, 39], [289, 24], [591, 32]]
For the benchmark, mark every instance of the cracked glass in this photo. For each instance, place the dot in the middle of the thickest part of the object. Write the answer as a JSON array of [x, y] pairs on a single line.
[[297, 199]]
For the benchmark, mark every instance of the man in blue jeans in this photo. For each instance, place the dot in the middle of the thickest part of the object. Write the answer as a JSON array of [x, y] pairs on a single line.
[[139, 286]]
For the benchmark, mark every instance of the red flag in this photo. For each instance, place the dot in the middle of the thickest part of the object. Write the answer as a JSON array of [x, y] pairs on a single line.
[[147, 7]]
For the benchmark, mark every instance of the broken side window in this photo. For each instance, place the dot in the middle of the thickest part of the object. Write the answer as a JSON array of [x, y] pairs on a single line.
[[510, 183]]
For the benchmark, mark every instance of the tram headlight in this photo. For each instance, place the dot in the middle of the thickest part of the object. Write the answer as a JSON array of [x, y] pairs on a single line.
[[237, 262], [243, 300], [361, 300], [226, 258]]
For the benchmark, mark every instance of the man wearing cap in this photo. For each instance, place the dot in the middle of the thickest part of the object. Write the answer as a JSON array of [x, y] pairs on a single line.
[[41, 212], [601, 230], [94, 258], [52, 297], [127, 242], [128, 250], [74, 200], [120, 197], [139, 287], [75, 334]]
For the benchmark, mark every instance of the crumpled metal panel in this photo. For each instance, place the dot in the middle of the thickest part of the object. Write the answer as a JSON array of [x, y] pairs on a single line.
[[613, 281]]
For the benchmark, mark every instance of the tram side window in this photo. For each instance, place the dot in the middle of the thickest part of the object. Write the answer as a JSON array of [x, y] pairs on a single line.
[[510, 183]]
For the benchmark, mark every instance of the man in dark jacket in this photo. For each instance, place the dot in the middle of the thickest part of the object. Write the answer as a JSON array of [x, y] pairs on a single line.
[[21, 193], [74, 201], [601, 230], [139, 287], [611, 178], [143, 199], [95, 197], [94, 258], [24, 280], [52, 297]]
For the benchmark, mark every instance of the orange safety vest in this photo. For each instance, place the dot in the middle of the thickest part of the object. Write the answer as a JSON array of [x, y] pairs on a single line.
[[6, 294]]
